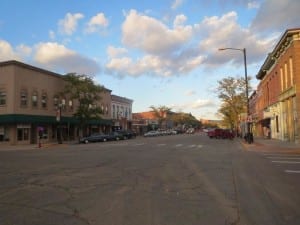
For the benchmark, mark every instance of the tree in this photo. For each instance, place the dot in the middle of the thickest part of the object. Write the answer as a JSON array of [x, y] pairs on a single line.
[[232, 92], [81, 89], [186, 119], [161, 113]]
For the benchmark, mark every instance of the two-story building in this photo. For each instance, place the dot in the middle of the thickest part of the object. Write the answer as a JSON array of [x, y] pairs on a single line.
[[30, 106], [278, 93], [121, 109]]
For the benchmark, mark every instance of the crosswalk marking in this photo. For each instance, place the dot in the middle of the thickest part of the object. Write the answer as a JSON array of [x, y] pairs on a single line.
[[286, 158], [292, 171], [161, 144], [288, 162]]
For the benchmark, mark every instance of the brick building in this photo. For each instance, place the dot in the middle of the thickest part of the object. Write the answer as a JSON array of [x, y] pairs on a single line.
[[278, 93]]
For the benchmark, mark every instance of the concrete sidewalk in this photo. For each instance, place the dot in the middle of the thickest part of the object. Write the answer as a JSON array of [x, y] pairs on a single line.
[[272, 145], [36, 146]]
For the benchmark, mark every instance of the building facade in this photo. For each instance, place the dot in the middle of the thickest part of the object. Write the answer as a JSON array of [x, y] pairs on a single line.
[[121, 112], [278, 93], [32, 111]]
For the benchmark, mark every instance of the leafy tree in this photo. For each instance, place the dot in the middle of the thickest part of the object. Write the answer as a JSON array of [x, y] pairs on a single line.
[[185, 119], [232, 92], [161, 113], [81, 89]]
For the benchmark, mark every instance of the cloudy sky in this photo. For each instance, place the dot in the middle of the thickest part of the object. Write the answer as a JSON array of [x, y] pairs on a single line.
[[158, 52]]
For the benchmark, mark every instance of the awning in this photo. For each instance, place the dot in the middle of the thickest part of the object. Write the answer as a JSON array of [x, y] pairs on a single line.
[[37, 119]]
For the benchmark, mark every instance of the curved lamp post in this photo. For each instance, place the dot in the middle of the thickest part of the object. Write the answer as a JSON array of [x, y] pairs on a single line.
[[249, 135]]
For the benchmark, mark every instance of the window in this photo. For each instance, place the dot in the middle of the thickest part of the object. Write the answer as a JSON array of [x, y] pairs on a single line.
[[291, 70], [44, 100], [23, 134], [2, 98], [55, 102], [34, 99], [23, 96], [70, 105]]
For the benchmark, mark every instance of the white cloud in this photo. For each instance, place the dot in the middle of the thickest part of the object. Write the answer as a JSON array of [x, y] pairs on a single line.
[[194, 105], [163, 51], [201, 103], [276, 15], [113, 52], [24, 50], [59, 58], [97, 23], [176, 4], [190, 93], [179, 20], [152, 36], [68, 25], [7, 52], [253, 5]]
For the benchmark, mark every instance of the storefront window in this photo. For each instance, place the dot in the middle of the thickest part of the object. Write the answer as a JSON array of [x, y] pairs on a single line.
[[23, 134], [3, 134]]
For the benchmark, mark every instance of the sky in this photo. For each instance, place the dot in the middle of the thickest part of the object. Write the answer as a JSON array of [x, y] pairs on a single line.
[[157, 53]]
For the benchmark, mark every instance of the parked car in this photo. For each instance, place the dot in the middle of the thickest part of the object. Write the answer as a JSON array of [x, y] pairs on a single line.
[[190, 131], [127, 134], [96, 137], [116, 136], [152, 133]]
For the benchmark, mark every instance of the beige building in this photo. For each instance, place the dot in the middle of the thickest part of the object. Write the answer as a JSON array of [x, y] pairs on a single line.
[[121, 112], [30, 107]]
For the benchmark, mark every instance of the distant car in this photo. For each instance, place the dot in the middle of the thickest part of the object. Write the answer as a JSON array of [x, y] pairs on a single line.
[[96, 137], [152, 133]]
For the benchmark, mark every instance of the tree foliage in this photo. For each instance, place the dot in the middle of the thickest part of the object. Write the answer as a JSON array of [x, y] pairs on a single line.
[[232, 92], [164, 113], [161, 113], [81, 89], [185, 119]]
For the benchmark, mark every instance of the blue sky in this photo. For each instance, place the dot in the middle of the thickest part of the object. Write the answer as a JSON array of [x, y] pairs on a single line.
[[159, 52]]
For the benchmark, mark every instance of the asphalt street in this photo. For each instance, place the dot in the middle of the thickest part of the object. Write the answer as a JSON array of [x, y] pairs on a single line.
[[167, 180]]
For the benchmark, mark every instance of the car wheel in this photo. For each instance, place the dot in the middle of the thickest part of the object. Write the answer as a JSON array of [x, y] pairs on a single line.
[[86, 141], [117, 138], [104, 139]]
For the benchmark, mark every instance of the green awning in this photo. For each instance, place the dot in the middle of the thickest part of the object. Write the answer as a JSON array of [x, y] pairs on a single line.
[[37, 119]]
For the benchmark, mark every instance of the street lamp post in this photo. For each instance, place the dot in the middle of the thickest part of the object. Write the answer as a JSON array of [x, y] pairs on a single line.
[[249, 135]]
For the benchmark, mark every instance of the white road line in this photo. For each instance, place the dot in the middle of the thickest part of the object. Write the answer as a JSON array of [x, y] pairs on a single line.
[[280, 154], [277, 157], [138, 144], [288, 162], [292, 171], [200, 146], [192, 146], [178, 145], [161, 144]]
